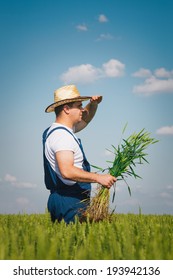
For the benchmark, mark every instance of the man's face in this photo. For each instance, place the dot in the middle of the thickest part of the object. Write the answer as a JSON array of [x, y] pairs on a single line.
[[76, 111]]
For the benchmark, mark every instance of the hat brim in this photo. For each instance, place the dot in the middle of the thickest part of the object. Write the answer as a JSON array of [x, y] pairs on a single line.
[[52, 107]]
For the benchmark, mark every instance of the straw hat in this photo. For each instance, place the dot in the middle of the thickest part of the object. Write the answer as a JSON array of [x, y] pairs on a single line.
[[65, 95]]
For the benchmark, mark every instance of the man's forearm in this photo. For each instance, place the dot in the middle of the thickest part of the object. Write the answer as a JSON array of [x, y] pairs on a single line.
[[79, 175], [89, 111]]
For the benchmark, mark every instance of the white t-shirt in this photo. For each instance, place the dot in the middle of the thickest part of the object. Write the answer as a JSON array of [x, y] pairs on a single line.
[[62, 140]]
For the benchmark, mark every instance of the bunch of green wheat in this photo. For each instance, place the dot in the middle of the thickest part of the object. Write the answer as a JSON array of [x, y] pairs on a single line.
[[127, 155]]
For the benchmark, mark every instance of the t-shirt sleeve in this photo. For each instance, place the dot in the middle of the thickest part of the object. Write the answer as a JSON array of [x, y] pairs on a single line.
[[61, 141]]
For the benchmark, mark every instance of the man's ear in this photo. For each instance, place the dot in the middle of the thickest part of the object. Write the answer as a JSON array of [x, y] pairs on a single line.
[[66, 109]]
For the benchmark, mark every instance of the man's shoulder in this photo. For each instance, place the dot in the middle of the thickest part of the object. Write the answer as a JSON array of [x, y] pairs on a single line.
[[60, 132]]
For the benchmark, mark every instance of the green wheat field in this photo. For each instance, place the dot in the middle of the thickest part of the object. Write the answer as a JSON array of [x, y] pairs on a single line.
[[125, 237]]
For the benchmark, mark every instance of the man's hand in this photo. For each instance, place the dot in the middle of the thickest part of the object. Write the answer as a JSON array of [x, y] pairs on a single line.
[[96, 98], [106, 180]]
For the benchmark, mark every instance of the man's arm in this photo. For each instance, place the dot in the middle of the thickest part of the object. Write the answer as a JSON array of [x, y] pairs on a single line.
[[88, 113], [68, 171]]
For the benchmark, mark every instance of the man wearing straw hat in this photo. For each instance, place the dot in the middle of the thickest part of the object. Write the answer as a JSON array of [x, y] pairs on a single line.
[[66, 170]]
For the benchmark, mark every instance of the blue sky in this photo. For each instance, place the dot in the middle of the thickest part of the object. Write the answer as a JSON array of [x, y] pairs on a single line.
[[119, 49]]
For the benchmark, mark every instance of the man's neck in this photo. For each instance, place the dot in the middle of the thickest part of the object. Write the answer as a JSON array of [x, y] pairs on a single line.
[[65, 122]]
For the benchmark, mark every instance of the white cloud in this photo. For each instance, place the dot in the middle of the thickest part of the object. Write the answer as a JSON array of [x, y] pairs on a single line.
[[142, 73], [165, 195], [105, 37], [169, 187], [82, 27], [102, 18], [87, 73], [113, 68], [14, 182], [160, 81], [165, 130], [9, 178], [84, 73], [163, 73], [24, 185], [153, 85]]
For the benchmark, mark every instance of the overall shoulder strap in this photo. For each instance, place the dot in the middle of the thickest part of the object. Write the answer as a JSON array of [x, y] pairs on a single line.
[[61, 127], [44, 136]]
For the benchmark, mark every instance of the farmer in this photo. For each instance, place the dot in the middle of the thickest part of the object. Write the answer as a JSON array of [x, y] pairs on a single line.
[[66, 170]]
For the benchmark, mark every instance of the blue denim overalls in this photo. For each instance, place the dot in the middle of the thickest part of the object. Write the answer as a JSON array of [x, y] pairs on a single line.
[[65, 201]]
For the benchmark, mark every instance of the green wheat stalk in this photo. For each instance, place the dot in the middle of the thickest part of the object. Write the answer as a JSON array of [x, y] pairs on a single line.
[[129, 153]]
